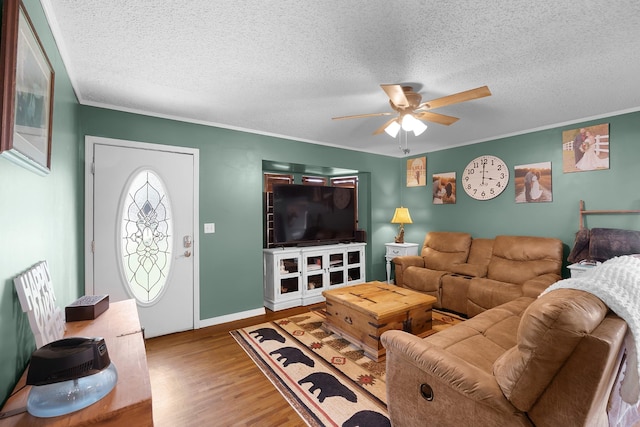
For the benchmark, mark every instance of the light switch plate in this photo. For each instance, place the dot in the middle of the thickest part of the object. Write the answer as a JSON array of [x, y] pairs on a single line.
[[209, 228]]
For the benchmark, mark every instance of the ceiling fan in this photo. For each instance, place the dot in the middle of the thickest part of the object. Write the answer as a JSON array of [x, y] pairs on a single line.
[[410, 109]]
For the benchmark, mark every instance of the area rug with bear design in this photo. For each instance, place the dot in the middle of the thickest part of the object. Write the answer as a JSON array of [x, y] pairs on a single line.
[[326, 379]]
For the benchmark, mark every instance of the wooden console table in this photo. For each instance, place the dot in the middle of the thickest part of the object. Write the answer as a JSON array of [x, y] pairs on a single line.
[[129, 403]]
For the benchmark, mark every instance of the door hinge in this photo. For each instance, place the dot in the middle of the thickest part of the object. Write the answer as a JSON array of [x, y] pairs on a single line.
[[93, 246], [93, 168]]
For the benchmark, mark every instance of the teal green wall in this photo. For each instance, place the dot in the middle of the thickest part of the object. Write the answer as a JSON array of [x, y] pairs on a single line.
[[602, 189], [40, 218], [231, 186], [231, 167]]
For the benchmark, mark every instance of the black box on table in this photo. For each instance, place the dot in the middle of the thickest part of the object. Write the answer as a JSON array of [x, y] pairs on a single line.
[[87, 307]]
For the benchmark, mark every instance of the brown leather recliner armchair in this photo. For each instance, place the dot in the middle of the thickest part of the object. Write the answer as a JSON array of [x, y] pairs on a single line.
[[551, 361], [441, 251]]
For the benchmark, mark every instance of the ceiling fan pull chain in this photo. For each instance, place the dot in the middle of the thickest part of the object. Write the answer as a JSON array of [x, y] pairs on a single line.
[[406, 143], [405, 150]]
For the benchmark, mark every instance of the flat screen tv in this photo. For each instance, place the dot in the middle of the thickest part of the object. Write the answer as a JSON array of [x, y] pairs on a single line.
[[313, 215]]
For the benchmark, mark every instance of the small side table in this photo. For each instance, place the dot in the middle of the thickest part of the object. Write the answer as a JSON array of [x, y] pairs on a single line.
[[579, 268], [398, 249]]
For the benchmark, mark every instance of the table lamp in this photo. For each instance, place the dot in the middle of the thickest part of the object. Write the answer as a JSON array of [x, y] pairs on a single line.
[[402, 217]]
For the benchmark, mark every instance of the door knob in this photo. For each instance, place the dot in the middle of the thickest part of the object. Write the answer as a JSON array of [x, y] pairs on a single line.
[[187, 254]]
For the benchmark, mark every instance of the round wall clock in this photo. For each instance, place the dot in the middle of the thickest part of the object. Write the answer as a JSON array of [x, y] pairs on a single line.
[[485, 177]]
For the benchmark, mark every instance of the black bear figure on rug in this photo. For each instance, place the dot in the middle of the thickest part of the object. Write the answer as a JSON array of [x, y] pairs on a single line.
[[292, 355], [329, 386], [367, 419], [266, 334]]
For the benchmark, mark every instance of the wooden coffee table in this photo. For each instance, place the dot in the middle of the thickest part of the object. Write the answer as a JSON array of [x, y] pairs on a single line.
[[362, 313]]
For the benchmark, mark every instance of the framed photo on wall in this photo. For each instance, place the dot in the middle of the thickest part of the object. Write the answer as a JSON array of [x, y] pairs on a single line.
[[586, 148], [26, 111], [417, 172], [444, 188], [533, 183]]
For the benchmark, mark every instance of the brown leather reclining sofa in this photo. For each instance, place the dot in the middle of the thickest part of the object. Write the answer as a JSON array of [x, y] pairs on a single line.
[[550, 361], [469, 276]]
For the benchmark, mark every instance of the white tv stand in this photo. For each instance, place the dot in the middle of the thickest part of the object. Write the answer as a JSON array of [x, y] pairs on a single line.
[[298, 275]]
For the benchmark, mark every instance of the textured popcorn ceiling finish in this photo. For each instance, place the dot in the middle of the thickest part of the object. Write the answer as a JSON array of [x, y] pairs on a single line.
[[285, 68]]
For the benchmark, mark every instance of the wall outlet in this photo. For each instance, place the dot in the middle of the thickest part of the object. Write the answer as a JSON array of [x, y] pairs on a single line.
[[209, 228]]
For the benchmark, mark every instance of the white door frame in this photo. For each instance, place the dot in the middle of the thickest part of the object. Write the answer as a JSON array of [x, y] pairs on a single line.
[[90, 142]]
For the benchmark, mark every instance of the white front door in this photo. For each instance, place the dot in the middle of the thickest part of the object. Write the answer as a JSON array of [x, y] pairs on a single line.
[[143, 230]]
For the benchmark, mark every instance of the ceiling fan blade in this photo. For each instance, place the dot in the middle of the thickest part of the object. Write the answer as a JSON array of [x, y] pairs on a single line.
[[359, 116], [436, 118], [384, 126], [396, 95], [467, 95]]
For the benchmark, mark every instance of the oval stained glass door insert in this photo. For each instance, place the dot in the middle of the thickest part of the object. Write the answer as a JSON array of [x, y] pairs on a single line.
[[146, 237]]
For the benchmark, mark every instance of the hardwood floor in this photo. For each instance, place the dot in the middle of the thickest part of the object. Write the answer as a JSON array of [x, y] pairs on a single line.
[[204, 378]]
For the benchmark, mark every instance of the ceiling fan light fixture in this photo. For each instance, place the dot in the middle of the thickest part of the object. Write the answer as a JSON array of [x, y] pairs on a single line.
[[393, 129], [411, 112], [419, 127], [408, 122], [411, 124]]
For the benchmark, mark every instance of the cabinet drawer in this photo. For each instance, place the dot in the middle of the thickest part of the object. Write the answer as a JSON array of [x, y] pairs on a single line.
[[393, 252]]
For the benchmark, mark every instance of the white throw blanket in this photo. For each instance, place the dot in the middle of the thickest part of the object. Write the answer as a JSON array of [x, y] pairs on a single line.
[[617, 283]]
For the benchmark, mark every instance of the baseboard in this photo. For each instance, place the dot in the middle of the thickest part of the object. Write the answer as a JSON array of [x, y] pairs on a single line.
[[232, 317]]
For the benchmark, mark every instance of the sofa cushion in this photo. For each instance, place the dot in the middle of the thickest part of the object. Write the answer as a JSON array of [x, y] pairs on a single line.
[[484, 338], [516, 259], [480, 252], [549, 331], [442, 249], [487, 293]]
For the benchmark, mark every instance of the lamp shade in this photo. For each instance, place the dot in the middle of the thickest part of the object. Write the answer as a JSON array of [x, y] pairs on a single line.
[[408, 121], [411, 124], [393, 129], [418, 127], [401, 216]]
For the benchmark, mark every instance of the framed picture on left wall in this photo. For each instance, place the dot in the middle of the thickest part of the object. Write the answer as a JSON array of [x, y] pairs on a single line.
[[417, 172], [26, 111]]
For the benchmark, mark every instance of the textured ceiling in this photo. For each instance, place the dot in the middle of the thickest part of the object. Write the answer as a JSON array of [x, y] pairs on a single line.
[[286, 67]]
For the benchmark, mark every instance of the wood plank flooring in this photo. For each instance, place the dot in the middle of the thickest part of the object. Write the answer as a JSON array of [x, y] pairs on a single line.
[[204, 378]]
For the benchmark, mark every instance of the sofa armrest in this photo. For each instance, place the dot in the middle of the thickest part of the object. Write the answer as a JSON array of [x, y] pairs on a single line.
[[471, 270], [533, 287], [402, 263], [445, 370]]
